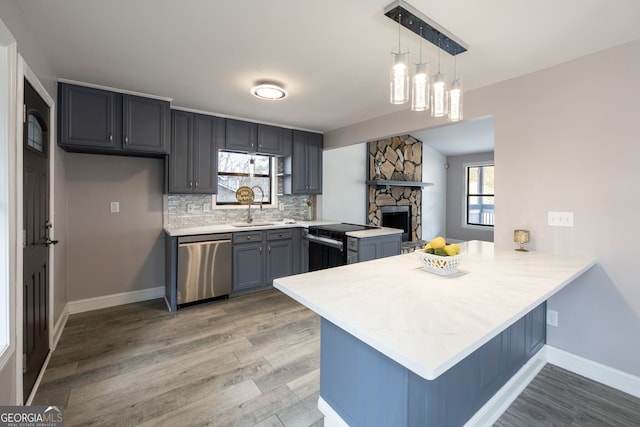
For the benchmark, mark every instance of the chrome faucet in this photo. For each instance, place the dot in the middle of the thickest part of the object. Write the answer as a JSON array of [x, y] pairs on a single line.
[[249, 218]]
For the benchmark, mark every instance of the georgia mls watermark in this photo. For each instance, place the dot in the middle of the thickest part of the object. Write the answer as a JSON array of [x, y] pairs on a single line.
[[31, 416]]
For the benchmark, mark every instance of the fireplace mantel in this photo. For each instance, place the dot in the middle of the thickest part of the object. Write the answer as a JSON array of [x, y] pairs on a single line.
[[390, 183]]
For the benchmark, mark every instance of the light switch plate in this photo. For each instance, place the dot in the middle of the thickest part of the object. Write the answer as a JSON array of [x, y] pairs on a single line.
[[114, 207], [560, 219]]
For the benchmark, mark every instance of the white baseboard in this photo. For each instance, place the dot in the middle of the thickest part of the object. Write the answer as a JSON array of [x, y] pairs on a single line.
[[595, 371], [59, 327], [331, 417], [113, 300]]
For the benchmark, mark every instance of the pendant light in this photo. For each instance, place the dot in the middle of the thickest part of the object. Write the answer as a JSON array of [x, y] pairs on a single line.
[[439, 94], [399, 79], [455, 96], [420, 84]]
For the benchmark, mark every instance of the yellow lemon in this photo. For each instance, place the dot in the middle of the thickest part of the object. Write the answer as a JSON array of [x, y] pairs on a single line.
[[438, 242], [452, 249], [427, 246]]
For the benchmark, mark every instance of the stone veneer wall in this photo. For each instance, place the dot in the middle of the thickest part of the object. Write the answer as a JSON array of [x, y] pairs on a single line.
[[401, 158], [176, 215]]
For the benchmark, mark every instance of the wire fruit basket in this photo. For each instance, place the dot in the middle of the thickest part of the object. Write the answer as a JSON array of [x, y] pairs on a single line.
[[442, 265]]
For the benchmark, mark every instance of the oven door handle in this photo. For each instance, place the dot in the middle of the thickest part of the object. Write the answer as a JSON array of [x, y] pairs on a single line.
[[326, 242]]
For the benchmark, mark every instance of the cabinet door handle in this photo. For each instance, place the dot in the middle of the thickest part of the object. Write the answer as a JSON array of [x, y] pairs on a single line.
[[126, 139], [196, 184], [269, 249], [190, 184], [110, 137], [260, 250]]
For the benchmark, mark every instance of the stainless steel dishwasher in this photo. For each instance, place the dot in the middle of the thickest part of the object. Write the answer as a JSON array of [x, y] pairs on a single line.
[[204, 267]]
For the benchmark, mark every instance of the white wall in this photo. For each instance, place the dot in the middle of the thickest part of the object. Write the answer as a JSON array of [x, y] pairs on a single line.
[[344, 191], [434, 218], [566, 139]]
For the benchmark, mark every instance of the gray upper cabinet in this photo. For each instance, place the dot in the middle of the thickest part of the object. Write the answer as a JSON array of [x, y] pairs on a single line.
[[145, 125], [241, 136], [98, 121], [87, 118], [306, 164], [258, 138], [193, 163], [274, 140]]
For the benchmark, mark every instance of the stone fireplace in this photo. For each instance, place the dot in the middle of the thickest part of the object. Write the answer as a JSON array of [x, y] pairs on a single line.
[[395, 176]]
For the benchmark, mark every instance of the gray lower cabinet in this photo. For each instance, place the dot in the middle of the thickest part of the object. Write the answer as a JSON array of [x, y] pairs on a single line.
[[248, 260], [261, 256], [368, 248], [279, 254]]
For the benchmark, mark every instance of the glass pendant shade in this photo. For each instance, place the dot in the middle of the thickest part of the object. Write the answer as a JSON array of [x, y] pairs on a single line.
[[439, 96], [420, 88], [455, 101], [399, 79]]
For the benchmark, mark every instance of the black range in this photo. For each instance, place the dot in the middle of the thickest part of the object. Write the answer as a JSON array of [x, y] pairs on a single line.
[[328, 244]]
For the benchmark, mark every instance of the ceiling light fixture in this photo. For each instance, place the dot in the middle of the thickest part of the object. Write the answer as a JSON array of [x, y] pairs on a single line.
[[427, 29], [399, 79], [455, 97], [439, 95], [268, 91], [420, 84]]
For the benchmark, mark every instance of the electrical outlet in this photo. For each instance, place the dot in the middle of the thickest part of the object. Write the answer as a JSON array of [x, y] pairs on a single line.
[[114, 207], [552, 318], [560, 219], [190, 208], [281, 206]]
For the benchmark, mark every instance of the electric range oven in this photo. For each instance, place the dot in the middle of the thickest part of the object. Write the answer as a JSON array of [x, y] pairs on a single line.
[[328, 244]]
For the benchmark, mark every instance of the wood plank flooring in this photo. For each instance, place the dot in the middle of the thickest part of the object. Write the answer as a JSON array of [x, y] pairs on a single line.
[[557, 397], [247, 361]]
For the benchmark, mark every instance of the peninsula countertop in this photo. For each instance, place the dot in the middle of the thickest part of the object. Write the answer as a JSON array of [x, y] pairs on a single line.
[[426, 322]]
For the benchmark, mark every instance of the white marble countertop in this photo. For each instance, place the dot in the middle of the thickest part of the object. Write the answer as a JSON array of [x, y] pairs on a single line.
[[230, 228], [267, 225], [426, 322]]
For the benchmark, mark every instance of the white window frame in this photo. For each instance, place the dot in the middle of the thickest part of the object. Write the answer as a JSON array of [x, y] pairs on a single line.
[[465, 167], [274, 196], [8, 124]]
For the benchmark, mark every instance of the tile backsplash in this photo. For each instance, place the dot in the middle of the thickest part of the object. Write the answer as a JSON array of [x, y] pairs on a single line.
[[176, 211]]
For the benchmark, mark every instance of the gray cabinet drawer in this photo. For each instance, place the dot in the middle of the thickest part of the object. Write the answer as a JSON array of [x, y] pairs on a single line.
[[352, 244], [247, 236], [279, 234]]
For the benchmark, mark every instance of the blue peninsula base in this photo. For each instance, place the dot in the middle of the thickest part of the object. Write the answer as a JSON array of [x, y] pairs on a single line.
[[366, 388]]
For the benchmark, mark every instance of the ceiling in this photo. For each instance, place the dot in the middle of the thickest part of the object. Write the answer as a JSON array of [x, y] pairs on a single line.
[[333, 56]]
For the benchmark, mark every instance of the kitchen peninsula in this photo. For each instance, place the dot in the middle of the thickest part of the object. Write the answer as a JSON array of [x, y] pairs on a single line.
[[401, 346]]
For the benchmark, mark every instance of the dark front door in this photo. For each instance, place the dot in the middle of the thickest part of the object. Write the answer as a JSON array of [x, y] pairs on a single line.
[[36, 236]]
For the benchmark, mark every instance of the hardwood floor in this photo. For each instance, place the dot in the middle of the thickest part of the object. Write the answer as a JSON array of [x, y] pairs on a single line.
[[247, 361], [557, 397]]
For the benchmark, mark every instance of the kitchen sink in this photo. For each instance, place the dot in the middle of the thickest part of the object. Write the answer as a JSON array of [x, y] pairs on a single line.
[[251, 224]]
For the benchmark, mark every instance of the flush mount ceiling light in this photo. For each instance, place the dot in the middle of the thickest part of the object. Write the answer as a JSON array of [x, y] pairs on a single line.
[[268, 91], [440, 98]]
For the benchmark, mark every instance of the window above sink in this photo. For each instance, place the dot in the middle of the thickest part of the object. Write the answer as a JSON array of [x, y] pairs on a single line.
[[240, 169]]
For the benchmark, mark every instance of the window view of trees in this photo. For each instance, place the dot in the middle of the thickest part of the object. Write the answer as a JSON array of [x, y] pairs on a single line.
[[480, 195], [238, 169]]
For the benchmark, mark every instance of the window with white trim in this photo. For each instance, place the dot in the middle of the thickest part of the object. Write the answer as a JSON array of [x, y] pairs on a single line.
[[480, 195], [239, 169]]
